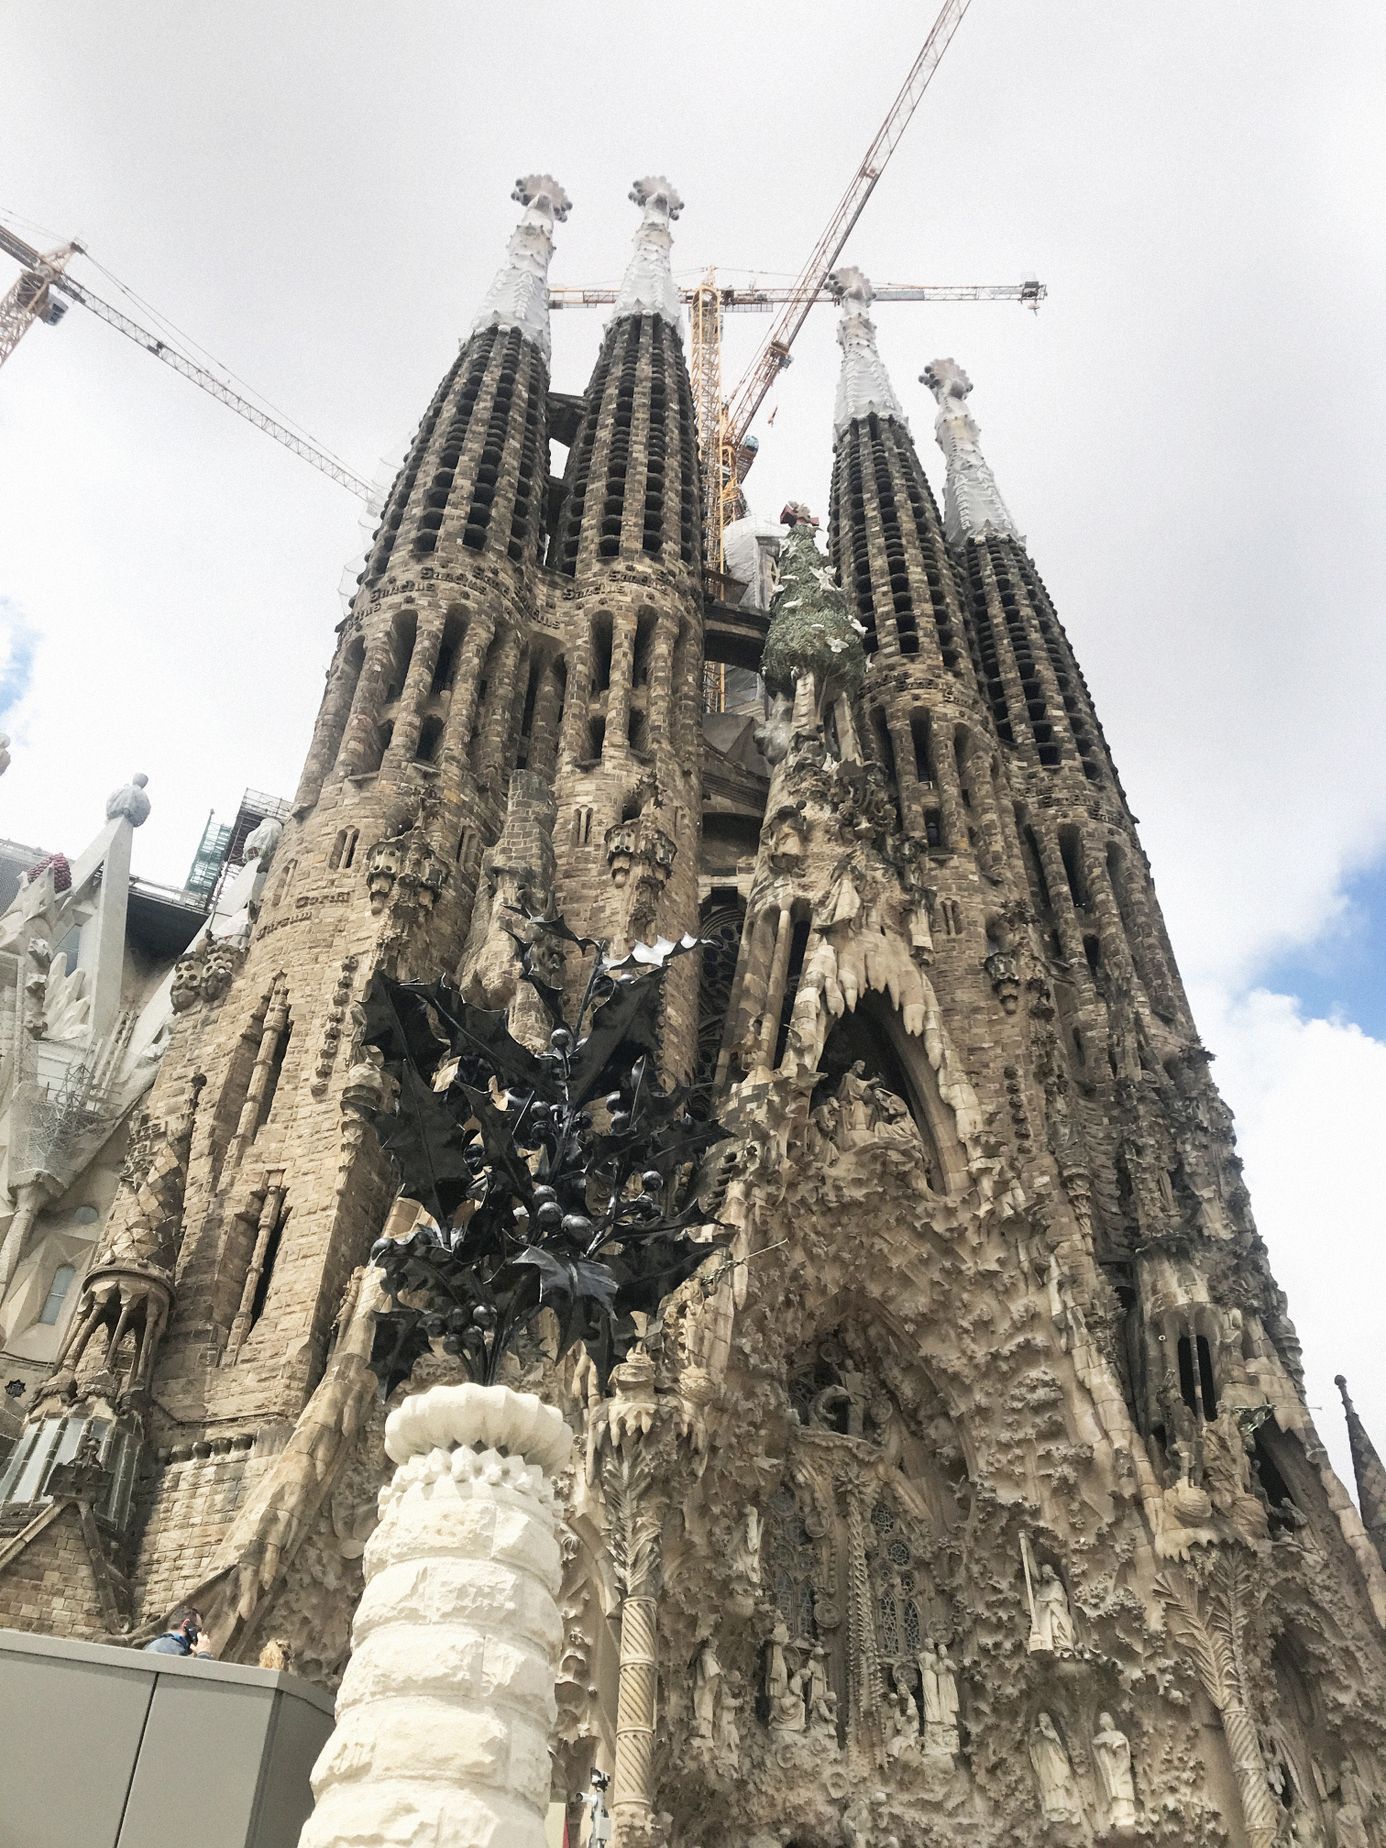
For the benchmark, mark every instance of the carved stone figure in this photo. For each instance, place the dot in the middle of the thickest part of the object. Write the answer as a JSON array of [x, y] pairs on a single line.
[[129, 802], [1111, 1762], [1053, 1620], [707, 1683], [902, 1719], [784, 1689], [939, 1688], [1053, 1772], [822, 1701], [864, 1822], [1350, 1828]]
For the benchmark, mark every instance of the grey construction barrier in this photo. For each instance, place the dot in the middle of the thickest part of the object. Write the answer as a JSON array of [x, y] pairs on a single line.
[[112, 1748]]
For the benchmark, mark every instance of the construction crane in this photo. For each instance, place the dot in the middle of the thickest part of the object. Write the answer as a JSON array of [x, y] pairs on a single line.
[[706, 303], [724, 421], [38, 295], [739, 410]]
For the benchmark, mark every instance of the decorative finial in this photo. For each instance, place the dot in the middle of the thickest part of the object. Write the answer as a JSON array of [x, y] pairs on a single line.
[[519, 296], [129, 802], [972, 505], [863, 384], [648, 286]]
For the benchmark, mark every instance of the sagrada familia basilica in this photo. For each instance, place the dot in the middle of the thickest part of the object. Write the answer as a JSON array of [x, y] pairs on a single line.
[[967, 1493]]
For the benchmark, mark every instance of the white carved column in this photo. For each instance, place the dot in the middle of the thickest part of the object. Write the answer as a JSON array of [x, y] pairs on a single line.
[[447, 1704]]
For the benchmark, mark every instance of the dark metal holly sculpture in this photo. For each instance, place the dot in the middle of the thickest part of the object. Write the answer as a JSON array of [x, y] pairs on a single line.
[[565, 1180]]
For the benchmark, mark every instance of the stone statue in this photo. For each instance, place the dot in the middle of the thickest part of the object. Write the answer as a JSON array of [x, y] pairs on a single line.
[[261, 842], [863, 1822], [1053, 1772], [745, 1554], [707, 1679], [822, 1702], [939, 1685], [783, 1690], [4, 752], [727, 1737], [1350, 1828], [1053, 1620], [1111, 1760], [902, 1720], [129, 802]]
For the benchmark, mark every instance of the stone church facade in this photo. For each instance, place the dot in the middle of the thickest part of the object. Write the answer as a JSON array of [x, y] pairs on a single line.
[[968, 1493]]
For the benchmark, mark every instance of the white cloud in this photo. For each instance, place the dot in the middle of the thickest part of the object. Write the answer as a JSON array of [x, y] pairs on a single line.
[[1310, 1101]]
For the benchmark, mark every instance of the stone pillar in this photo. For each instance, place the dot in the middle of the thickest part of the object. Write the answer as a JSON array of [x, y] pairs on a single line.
[[404, 740], [445, 1710], [368, 702], [495, 727], [466, 687], [774, 987], [617, 739], [327, 733], [635, 1708], [950, 802]]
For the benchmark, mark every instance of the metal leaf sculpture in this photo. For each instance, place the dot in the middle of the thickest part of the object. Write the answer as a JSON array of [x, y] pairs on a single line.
[[565, 1180]]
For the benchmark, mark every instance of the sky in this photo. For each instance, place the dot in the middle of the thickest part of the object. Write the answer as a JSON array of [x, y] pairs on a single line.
[[1188, 432]]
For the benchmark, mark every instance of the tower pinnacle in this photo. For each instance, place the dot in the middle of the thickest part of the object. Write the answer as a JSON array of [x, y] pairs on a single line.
[[972, 506], [863, 385], [1368, 1469], [519, 296], [648, 286]]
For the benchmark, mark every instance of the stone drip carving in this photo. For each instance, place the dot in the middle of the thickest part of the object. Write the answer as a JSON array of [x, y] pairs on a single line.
[[863, 384], [973, 507], [519, 296], [648, 286]]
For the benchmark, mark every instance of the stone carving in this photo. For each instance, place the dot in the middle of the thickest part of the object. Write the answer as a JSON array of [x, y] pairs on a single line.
[[973, 507], [1051, 1621], [519, 296], [939, 1690], [648, 286], [864, 388], [864, 1822], [129, 802], [785, 1686], [902, 1718], [1053, 1772], [1116, 1790]]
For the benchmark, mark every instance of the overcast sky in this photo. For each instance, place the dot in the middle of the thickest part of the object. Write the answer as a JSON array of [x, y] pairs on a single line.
[[1189, 433]]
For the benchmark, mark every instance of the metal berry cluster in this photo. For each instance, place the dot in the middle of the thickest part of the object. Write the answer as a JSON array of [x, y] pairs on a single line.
[[564, 1180]]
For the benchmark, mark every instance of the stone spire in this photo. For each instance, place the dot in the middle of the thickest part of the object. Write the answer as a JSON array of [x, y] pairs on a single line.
[[863, 385], [972, 506], [1369, 1471], [519, 296], [648, 286]]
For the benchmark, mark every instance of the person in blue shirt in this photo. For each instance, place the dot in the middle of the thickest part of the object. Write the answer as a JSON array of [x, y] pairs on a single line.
[[181, 1639]]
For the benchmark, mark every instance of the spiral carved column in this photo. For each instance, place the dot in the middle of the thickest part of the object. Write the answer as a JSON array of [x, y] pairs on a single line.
[[447, 1704]]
